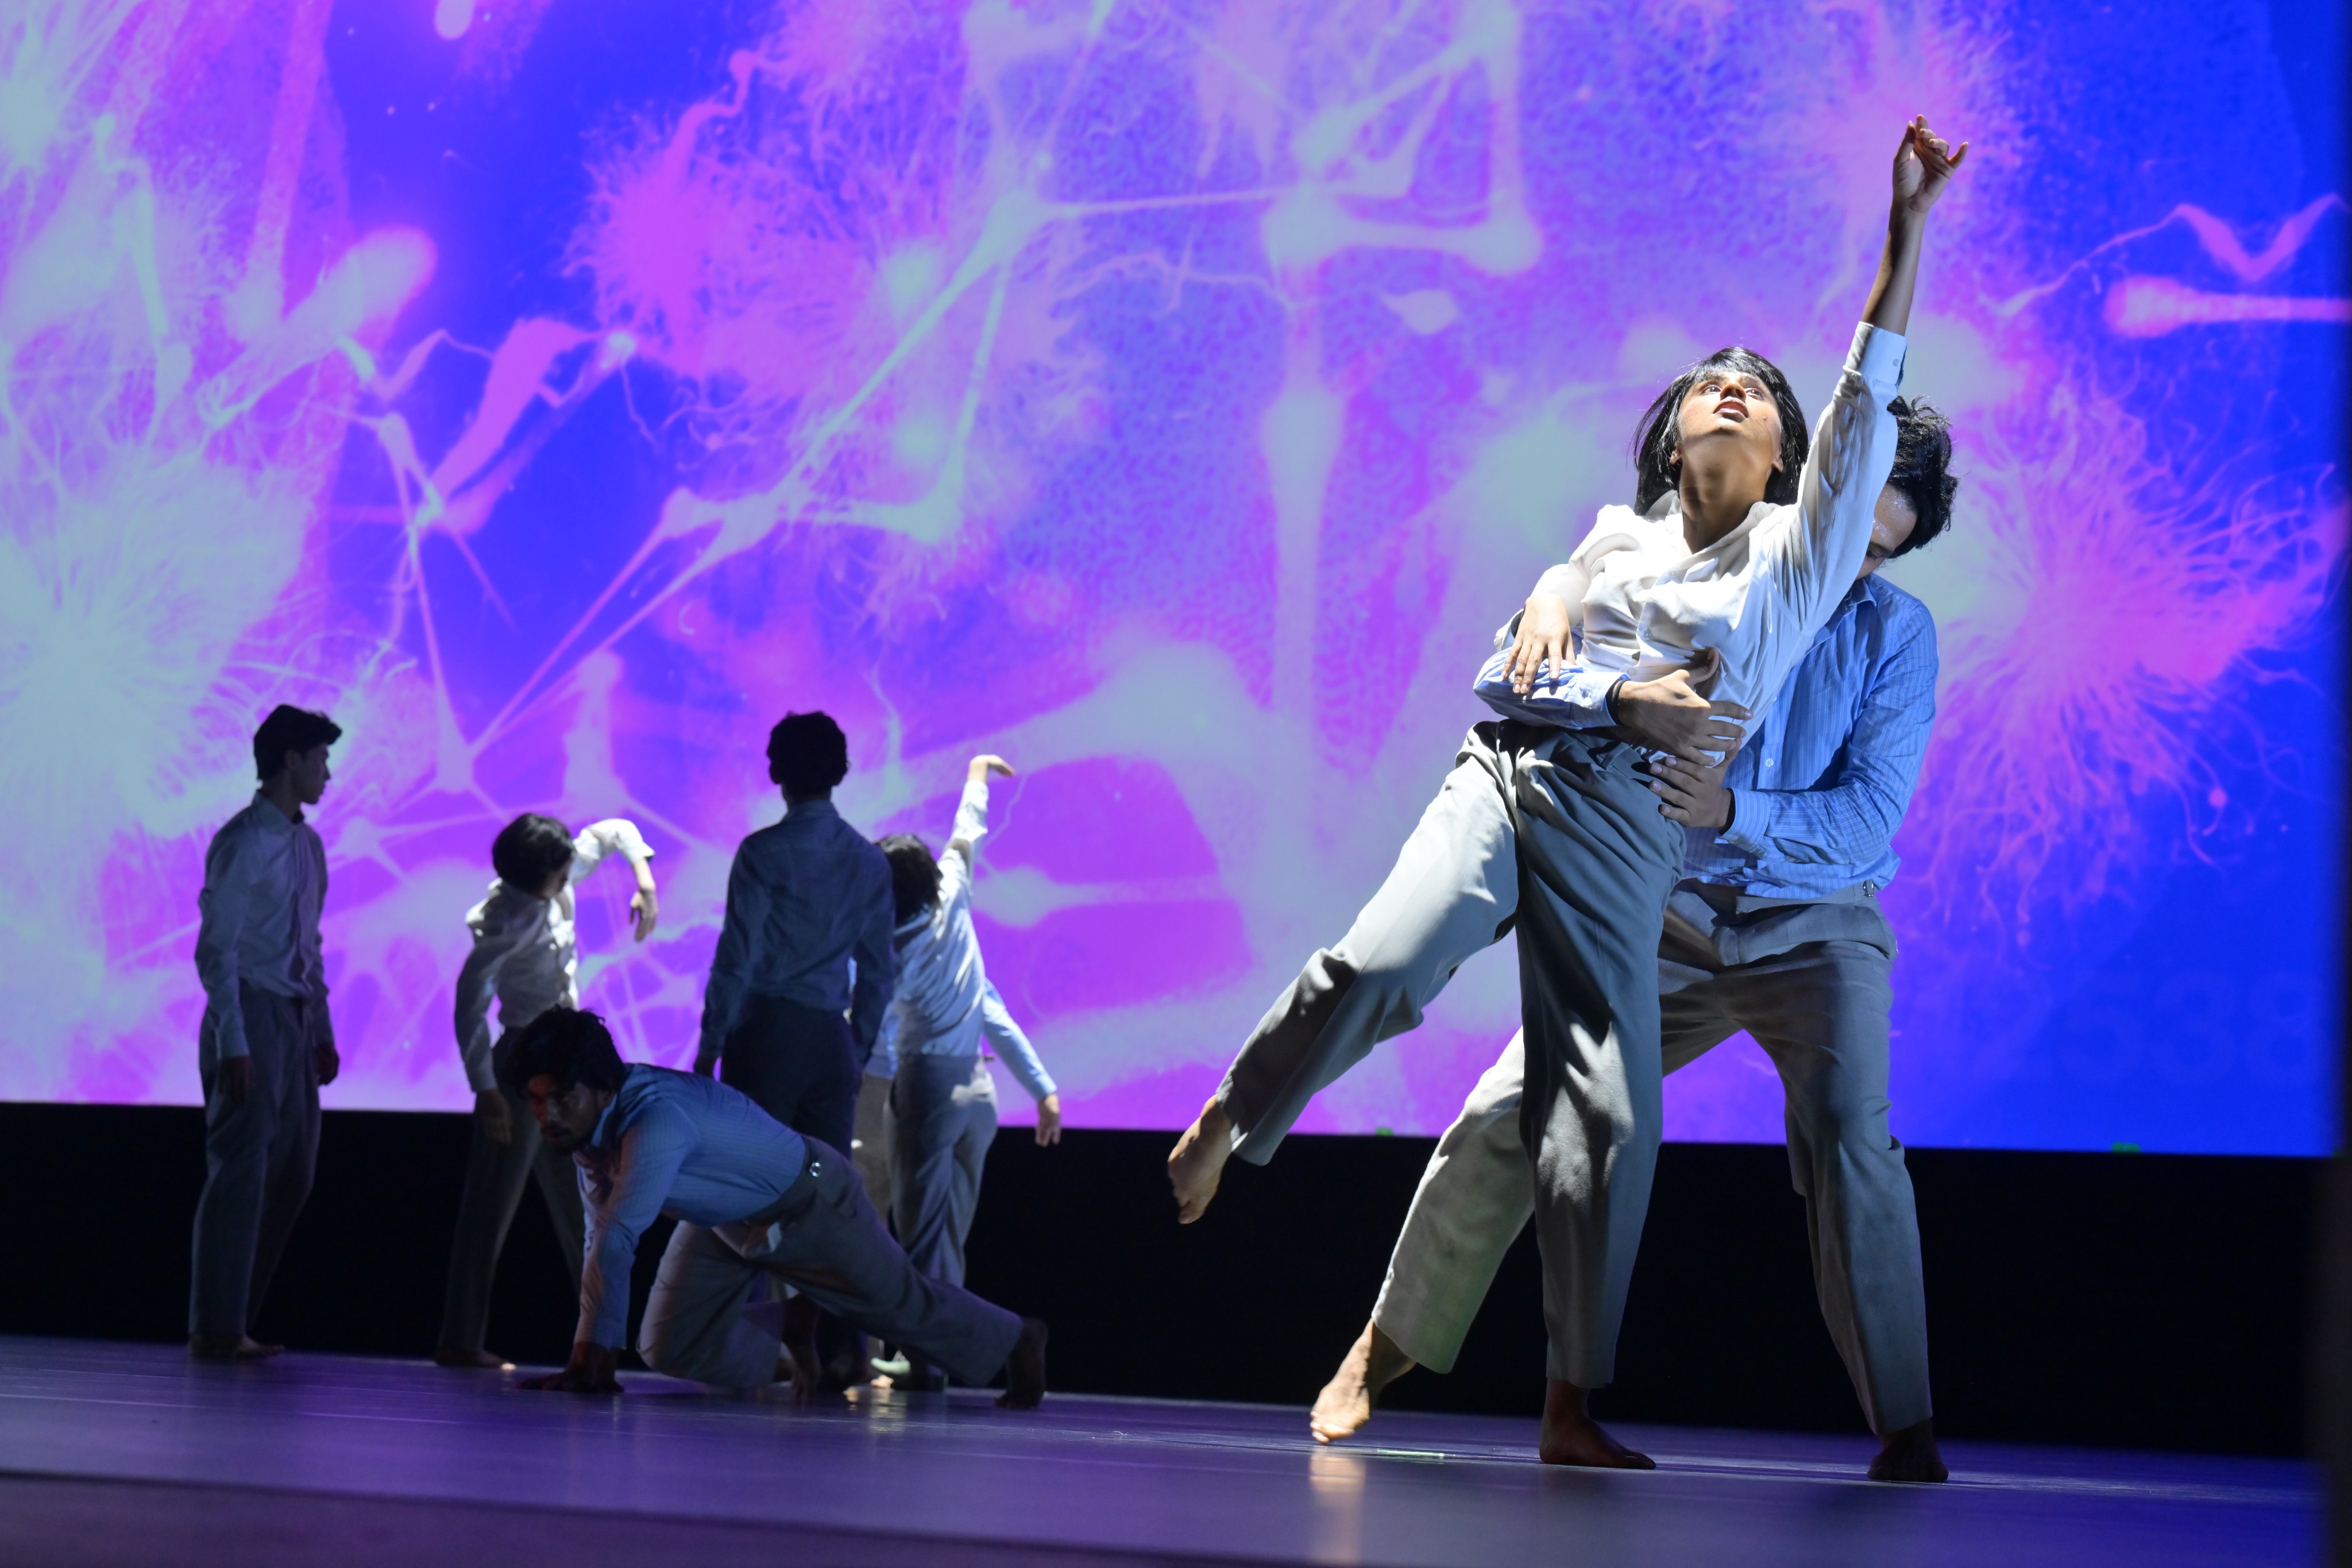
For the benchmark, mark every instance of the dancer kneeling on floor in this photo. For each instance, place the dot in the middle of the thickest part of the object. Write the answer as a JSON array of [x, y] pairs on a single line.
[[753, 1199]]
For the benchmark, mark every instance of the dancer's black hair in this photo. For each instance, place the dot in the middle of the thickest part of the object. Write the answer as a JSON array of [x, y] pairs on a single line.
[[1923, 469], [529, 850], [570, 1045], [1660, 438], [807, 753], [290, 728], [914, 875]]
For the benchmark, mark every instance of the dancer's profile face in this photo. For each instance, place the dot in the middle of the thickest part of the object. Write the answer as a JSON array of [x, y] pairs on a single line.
[[1891, 522], [309, 773], [567, 1117], [1727, 406]]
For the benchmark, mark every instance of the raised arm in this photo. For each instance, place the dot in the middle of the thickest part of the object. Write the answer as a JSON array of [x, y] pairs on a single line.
[[971, 827], [617, 836], [1809, 557]]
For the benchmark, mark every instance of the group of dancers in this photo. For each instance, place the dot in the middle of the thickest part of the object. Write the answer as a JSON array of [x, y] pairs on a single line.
[[1711, 718]]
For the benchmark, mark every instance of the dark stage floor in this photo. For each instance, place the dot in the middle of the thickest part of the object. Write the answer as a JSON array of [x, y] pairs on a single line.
[[128, 1454]]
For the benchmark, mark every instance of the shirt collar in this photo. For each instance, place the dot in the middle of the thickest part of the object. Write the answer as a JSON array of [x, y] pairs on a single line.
[[262, 798], [811, 810]]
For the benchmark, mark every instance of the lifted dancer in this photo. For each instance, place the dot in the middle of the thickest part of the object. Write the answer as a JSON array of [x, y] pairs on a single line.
[[1775, 929], [754, 1201], [944, 1102], [1687, 608], [267, 1045], [523, 951]]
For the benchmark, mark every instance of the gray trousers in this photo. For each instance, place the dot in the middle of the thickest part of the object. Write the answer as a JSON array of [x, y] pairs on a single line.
[[494, 1175], [1820, 1011], [1557, 829], [825, 1239], [872, 1153], [944, 1118], [259, 1156]]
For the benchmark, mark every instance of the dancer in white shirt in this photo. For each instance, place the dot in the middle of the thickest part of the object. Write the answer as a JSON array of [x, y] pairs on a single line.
[[267, 1045], [1669, 620], [942, 1100], [525, 953]]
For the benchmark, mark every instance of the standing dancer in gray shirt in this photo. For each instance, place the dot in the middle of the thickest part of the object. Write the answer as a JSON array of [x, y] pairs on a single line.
[[267, 1044]]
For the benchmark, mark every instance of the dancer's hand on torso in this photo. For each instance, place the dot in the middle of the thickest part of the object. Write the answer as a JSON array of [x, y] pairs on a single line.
[[1545, 636], [1672, 713]]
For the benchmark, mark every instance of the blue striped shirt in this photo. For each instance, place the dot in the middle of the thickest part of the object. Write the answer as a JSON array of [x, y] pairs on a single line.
[[1823, 782], [671, 1143]]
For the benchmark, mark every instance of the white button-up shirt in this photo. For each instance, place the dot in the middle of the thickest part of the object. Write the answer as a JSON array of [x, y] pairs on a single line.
[[265, 883], [1645, 605], [524, 949]]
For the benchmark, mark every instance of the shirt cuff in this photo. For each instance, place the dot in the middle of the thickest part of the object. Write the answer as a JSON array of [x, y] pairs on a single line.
[[1751, 822], [1877, 357], [1578, 699]]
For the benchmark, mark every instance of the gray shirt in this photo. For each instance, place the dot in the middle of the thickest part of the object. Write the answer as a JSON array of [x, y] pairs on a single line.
[[265, 883], [808, 905]]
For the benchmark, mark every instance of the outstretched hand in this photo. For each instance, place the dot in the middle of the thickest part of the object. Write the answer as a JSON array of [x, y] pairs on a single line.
[[1924, 165], [981, 766]]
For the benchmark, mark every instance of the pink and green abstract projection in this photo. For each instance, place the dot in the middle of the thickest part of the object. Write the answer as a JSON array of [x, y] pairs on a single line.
[[1170, 396]]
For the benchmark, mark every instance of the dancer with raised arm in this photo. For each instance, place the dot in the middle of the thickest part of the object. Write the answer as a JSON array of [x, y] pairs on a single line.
[[1775, 929], [526, 954], [1668, 623], [267, 1045], [755, 1202], [943, 1101]]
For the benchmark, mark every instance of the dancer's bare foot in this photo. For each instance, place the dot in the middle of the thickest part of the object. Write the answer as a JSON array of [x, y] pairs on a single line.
[[1198, 1162], [1570, 1437], [231, 1347], [1024, 1370], [1910, 1455], [1372, 1363], [472, 1360]]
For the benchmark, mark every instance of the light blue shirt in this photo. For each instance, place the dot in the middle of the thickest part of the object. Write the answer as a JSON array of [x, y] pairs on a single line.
[[670, 1143], [944, 1006], [1826, 774]]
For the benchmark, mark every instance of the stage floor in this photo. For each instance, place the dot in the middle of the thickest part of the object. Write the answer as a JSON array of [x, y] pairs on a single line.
[[128, 1454]]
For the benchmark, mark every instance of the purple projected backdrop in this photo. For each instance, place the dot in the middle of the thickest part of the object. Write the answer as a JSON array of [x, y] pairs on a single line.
[[1172, 397]]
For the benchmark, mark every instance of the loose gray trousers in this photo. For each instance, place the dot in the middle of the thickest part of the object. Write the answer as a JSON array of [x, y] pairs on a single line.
[[822, 1238], [1557, 829], [944, 1118], [259, 1156], [495, 1175], [1820, 1011]]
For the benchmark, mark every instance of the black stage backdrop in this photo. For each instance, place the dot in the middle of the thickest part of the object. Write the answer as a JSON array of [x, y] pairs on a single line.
[[2116, 1300]]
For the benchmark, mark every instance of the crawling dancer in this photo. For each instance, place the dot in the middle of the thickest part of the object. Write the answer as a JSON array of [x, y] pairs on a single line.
[[1684, 609]]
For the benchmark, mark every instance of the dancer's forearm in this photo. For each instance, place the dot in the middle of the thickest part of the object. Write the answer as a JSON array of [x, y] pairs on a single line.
[[1889, 307]]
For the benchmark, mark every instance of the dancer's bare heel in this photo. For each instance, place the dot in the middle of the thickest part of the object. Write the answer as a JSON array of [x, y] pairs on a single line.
[[1372, 1363], [1198, 1162]]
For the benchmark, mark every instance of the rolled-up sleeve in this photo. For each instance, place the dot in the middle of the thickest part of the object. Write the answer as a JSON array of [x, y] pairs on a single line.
[[652, 1149], [1578, 699], [599, 841]]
